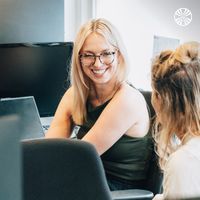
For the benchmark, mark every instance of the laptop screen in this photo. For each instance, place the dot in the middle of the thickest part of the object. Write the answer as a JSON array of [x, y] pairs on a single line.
[[26, 109]]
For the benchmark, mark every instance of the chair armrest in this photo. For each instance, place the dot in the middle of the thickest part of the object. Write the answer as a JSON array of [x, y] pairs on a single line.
[[131, 194]]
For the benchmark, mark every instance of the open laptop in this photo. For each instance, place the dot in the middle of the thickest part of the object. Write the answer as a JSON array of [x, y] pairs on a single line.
[[26, 109], [10, 158]]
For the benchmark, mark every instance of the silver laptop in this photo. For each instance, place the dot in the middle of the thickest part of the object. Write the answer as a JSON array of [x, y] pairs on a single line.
[[26, 109], [10, 158]]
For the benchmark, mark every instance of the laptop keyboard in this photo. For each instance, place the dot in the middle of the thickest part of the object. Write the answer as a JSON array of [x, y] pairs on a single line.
[[46, 121], [45, 127]]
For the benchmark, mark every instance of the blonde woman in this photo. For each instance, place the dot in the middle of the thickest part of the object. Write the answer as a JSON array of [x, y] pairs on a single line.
[[110, 113], [176, 100]]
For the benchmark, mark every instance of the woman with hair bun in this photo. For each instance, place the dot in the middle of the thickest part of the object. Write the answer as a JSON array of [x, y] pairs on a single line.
[[176, 100]]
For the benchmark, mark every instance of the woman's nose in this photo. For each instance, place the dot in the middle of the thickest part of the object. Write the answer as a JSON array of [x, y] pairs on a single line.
[[97, 62]]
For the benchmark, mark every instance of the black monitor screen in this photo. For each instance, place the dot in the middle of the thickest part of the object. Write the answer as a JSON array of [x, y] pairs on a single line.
[[40, 70]]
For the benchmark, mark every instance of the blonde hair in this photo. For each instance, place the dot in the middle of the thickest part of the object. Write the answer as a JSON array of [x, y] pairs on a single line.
[[79, 81], [176, 84]]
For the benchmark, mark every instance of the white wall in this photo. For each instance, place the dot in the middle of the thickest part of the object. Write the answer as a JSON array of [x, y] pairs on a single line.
[[139, 20], [77, 12]]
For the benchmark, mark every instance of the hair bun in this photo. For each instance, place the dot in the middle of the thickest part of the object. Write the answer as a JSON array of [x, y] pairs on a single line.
[[188, 52]]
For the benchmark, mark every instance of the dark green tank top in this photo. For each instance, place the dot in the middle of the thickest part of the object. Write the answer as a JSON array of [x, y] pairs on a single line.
[[128, 159]]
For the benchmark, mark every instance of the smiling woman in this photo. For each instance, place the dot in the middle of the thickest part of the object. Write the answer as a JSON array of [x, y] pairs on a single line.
[[110, 113], [103, 69]]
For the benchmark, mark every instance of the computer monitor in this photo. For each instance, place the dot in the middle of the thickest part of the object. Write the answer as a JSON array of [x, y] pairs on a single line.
[[40, 70]]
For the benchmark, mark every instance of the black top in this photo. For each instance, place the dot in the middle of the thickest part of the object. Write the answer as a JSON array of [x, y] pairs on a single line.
[[128, 159]]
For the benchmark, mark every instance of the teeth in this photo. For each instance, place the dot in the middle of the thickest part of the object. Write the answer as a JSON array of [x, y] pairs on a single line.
[[100, 71]]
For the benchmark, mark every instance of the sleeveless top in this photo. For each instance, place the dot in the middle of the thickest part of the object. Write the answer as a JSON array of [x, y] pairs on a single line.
[[128, 159]]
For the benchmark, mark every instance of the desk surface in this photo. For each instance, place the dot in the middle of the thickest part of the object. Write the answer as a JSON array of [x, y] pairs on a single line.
[[131, 194]]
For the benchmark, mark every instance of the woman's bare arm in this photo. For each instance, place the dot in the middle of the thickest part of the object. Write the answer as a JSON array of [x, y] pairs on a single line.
[[61, 124], [123, 113]]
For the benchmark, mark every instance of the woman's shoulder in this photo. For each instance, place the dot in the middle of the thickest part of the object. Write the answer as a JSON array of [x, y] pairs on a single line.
[[181, 176], [130, 94], [69, 93], [186, 157], [130, 103]]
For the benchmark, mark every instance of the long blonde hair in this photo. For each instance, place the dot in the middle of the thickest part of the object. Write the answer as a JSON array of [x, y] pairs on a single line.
[[79, 81], [176, 85]]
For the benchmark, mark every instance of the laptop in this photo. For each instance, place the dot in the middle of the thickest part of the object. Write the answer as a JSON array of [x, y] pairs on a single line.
[[26, 109], [10, 158]]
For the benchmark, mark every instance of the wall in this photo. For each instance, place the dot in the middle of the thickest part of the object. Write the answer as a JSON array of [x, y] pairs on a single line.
[[77, 12], [139, 20], [31, 21]]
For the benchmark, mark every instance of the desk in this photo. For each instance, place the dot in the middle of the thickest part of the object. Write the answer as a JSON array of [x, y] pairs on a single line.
[[131, 194]]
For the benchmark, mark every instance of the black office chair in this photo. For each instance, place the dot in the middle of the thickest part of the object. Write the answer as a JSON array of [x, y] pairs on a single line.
[[62, 169]]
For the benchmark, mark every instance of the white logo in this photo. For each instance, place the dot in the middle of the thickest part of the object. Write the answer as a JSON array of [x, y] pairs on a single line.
[[183, 16]]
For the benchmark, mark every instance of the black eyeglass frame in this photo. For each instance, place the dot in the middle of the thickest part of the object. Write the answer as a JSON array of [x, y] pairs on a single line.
[[98, 56]]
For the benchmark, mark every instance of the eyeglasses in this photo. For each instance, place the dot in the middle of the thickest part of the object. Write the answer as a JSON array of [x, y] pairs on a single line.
[[88, 59]]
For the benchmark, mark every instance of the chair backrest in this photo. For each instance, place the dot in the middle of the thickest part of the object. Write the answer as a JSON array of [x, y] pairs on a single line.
[[10, 167], [155, 176], [62, 169]]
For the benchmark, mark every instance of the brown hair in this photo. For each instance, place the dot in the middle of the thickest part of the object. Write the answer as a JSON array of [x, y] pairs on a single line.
[[176, 85]]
